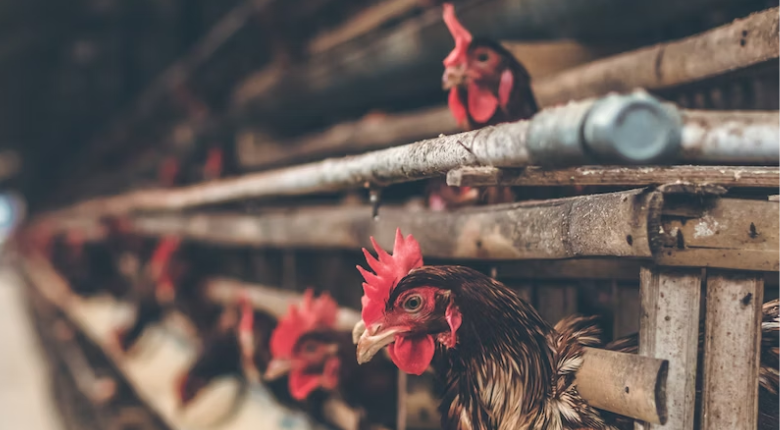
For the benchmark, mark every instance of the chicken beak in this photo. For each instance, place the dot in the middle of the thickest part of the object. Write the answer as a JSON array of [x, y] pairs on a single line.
[[276, 369], [360, 327], [373, 340], [453, 76]]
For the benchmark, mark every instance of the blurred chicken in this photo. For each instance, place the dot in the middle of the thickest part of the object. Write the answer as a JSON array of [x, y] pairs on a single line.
[[319, 358], [504, 366], [240, 347], [487, 86]]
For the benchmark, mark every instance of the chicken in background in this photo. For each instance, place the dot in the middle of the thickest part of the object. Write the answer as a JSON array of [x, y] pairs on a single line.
[[503, 365], [319, 359], [240, 348], [153, 291], [89, 266], [487, 86]]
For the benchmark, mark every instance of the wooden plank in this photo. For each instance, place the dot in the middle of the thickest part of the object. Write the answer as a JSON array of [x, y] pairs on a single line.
[[555, 302], [732, 345], [587, 226], [747, 176], [627, 305], [726, 233], [669, 329], [626, 384], [580, 268], [743, 43]]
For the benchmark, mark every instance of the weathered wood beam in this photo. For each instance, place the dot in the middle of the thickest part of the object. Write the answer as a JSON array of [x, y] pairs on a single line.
[[732, 348], [714, 232], [669, 329], [626, 384], [741, 44], [746, 176], [588, 226]]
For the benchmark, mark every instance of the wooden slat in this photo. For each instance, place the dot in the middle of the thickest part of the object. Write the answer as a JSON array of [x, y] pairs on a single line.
[[747, 176], [726, 233], [738, 45], [731, 351], [626, 304], [597, 225], [554, 302], [669, 329]]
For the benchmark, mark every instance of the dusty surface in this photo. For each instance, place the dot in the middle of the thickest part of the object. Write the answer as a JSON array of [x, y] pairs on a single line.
[[24, 397]]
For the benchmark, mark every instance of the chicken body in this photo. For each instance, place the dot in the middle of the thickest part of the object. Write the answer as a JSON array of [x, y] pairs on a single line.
[[504, 366], [222, 356]]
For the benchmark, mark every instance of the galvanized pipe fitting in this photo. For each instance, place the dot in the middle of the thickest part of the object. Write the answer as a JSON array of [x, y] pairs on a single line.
[[617, 129]]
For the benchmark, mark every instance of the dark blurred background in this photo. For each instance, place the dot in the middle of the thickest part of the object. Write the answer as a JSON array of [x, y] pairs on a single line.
[[94, 92]]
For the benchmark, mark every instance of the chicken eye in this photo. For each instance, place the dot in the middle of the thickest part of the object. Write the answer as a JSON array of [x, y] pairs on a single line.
[[413, 303], [482, 57], [309, 348]]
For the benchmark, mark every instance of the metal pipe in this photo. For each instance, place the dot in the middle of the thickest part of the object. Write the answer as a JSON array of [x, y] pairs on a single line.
[[731, 137], [617, 129]]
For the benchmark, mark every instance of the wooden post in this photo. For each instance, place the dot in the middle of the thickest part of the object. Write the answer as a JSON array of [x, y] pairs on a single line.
[[731, 351], [402, 399], [669, 329]]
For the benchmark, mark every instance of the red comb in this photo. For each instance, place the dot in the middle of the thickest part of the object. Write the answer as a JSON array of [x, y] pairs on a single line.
[[459, 33], [309, 315], [247, 319], [168, 171], [246, 323], [388, 271], [163, 253], [213, 167]]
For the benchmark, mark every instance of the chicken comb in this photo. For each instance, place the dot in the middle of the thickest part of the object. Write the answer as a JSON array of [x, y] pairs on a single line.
[[388, 270], [309, 315], [247, 314], [246, 324], [459, 33], [163, 253]]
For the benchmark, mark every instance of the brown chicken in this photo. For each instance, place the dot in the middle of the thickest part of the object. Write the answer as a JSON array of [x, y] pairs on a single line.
[[487, 86], [319, 358], [504, 367], [241, 348]]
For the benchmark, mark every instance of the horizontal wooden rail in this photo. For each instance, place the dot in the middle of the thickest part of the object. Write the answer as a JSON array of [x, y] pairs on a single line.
[[739, 45], [746, 176], [674, 230]]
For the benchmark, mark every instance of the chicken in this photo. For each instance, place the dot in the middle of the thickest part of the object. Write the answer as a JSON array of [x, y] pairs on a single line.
[[486, 83], [319, 358], [224, 354], [487, 86], [153, 290], [504, 366], [89, 267]]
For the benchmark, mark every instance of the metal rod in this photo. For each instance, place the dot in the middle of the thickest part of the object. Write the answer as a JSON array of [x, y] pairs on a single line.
[[632, 129]]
